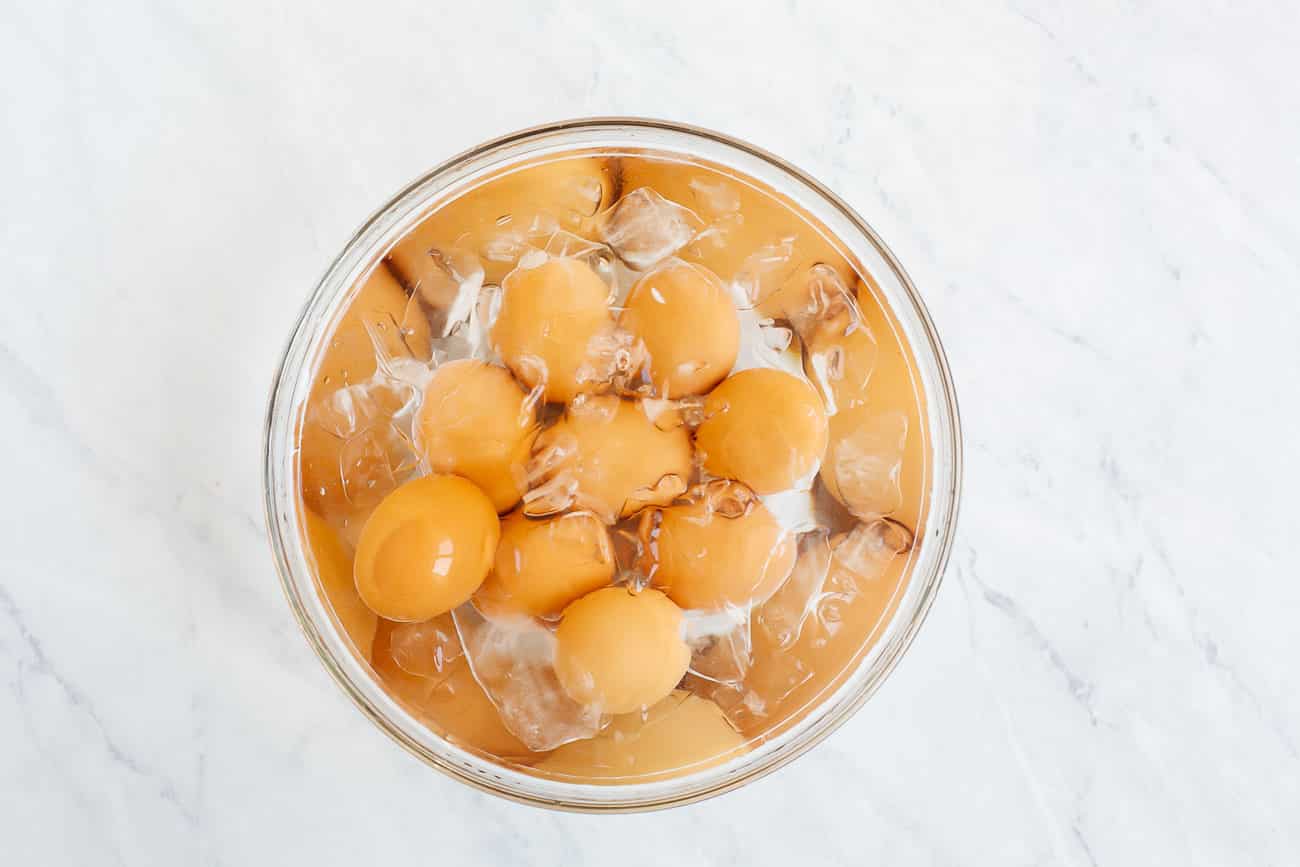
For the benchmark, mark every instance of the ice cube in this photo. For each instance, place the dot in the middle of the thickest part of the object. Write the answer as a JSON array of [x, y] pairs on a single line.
[[599, 257], [783, 616], [715, 196], [426, 649], [854, 584], [863, 468], [869, 547], [665, 490], [763, 273], [834, 582], [566, 245], [810, 296], [721, 650], [354, 442], [349, 410], [469, 337], [839, 357], [373, 462], [614, 359], [714, 238], [512, 659], [449, 286], [513, 236], [552, 485], [634, 539], [644, 228], [763, 343]]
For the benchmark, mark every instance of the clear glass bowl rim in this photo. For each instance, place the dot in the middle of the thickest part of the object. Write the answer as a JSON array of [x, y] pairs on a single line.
[[283, 506]]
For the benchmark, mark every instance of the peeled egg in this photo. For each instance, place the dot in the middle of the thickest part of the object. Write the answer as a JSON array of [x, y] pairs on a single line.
[[549, 317], [680, 734], [726, 548], [544, 564], [763, 427], [334, 569], [688, 323], [426, 548], [451, 701], [477, 422], [620, 650], [618, 459]]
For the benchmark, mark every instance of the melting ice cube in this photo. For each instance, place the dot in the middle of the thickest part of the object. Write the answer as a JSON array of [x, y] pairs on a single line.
[[644, 228], [865, 464], [512, 659]]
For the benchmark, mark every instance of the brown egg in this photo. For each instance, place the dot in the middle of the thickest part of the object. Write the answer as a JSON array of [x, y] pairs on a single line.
[[349, 359], [620, 650], [688, 323], [619, 460], [450, 702], [526, 203], [543, 564], [763, 427], [426, 548], [477, 422], [681, 734], [549, 317], [334, 569], [725, 548]]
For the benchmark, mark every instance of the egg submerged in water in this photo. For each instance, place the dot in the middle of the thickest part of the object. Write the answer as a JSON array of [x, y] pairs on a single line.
[[543, 564], [620, 650], [683, 359], [725, 548], [426, 548], [598, 509], [610, 456], [763, 427], [476, 421], [550, 316]]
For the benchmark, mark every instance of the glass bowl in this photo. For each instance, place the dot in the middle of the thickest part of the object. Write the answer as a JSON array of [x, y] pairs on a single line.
[[847, 231]]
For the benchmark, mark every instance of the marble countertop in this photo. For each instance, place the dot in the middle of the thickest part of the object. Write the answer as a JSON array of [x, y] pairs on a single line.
[[1098, 206]]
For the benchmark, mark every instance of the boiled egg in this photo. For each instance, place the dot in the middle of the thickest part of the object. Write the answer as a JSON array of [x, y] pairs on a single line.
[[426, 548], [763, 427], [620, 650], [477, 422], [726, 548], [617, 458], [543, 564], [687, 322], [550, 316]]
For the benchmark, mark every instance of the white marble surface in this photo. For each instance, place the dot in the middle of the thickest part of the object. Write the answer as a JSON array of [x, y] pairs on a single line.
[[1100, 207]]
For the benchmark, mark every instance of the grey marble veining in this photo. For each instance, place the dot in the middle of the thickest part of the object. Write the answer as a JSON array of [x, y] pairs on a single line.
[[1098, 203]]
